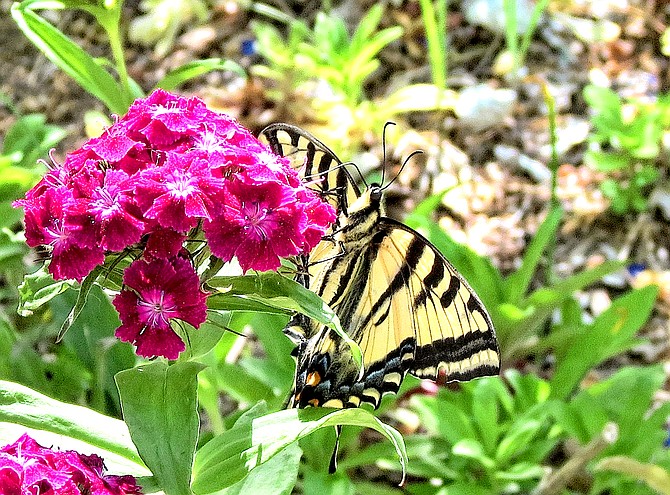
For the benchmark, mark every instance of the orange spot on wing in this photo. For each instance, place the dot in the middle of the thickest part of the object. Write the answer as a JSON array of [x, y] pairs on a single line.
[[313, 379]]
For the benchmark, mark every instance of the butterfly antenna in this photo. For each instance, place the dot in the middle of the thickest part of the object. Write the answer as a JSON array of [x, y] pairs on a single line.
[[384, 148], [333, 459], [412, 154], [360, 174]]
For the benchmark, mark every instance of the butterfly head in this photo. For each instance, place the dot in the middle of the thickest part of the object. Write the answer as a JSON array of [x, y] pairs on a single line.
[[376, 192]]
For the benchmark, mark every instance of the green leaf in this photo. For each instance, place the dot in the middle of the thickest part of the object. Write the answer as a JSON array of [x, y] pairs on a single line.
[[160, 407], [229, 457], [516, 285], [273, 290], [472, 449], [485, 411], [30, 138], [559, 292], [607, 161], [100, 353], [603, 99], [444, 418], [275, 477], [323, 483], [84, 289], [23, 406], [608, 334], [521, 471], [519, 436], [39, 288], [69, 57], [197, 68]]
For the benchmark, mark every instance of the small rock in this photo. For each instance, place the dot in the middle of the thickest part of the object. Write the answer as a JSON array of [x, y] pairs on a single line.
[[491, 14], [481, 107]]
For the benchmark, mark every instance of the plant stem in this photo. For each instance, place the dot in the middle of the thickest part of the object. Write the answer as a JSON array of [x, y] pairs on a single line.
[[555, 482], [554, 202], [109, 20], [435, 25]]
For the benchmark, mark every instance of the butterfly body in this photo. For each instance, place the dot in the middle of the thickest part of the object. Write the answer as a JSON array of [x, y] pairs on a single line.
[[394, 293]]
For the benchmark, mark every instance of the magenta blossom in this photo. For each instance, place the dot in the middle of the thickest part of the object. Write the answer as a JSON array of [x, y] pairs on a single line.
[[74, 245], [180, 193], [260, 224], [158, 292], [27, 468], [159, 183]]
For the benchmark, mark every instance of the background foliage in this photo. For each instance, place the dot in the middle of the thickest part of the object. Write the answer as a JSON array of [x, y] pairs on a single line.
[[570, 413]]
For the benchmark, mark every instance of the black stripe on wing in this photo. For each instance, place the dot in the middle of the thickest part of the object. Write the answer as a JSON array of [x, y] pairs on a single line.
[[316, 163], [464, 350]]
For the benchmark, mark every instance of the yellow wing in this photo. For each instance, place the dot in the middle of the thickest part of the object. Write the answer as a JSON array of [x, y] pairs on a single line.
[[395, 294], [408, 309]]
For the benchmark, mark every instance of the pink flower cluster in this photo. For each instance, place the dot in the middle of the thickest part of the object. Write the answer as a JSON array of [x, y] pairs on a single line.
[[27, 468], [166, 169]]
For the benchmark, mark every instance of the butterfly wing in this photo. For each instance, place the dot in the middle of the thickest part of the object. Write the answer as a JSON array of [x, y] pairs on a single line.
[[395, 294], [315, 162], [409, 310]]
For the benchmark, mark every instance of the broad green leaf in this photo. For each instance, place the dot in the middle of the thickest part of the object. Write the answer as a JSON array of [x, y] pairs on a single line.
[[160, 407], [485, 411], [323, 483], [276, 291], [203, 339], [516, 285], [442, 417], [240, 384], [23, 406], [517, 439], [39, 288], [472, 449], [68, 56], [197, 68], [92, 339], [229, 457], [275, 477], [607, 335]]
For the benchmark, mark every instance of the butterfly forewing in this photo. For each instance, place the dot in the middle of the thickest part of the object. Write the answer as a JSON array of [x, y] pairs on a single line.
[[395, 294], [316, 163]]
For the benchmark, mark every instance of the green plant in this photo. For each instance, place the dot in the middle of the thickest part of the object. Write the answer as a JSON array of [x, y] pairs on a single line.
[[27, 140], [627, 400], [518, 51], [434, 16], [89, 72], [163, 20], [627, 145], [487, 438], [327, 52], [327, 58]]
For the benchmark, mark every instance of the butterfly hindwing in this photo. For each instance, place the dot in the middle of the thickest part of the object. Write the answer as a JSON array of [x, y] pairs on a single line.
[[408, 309], [394, 293]]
